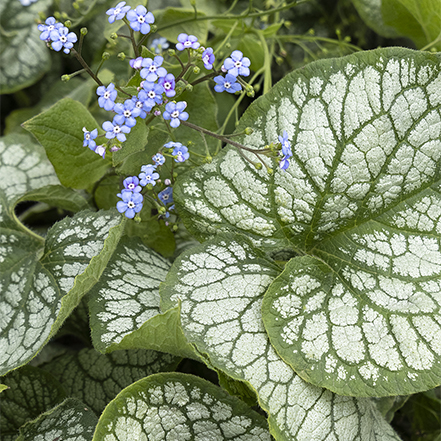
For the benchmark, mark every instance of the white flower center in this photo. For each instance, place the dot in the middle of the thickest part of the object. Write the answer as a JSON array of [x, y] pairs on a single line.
[[141, 19], [87, 137], [127, 113], [117, 11], [63, 38], [227, 85], [165, 197], [131, 204], [51, 28], [238, 63], [152, 68], [187, 43], [117, 129], [175, 114], [131, 186], [106, 95], [151, 94], [139, 104], [167, 85]]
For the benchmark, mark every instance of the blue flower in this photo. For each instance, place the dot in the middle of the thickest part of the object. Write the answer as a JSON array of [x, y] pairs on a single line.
[[228, 83], [115, 130], [140, 20], [153, 94], [148, 175], [158, 159], [126, 113], [89, 138], [151, 70], [166, 196], [237, 64], [286, 145], [62, 38], [208, 58], [27, 2], [107, 96], [174, 112], [168, 83], [284, 163], [186, 42], [179, 151], [131, 203], [50, 25], [100, 150], [158, 45], [140, 103], [118, 12], [131, 184], [136, 63]]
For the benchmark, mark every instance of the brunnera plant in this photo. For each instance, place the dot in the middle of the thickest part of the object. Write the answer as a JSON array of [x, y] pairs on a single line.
[[307, 270]]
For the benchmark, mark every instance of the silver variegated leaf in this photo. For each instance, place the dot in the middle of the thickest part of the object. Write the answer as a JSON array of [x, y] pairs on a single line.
[[220, 285], [177, 406], [361, 198]]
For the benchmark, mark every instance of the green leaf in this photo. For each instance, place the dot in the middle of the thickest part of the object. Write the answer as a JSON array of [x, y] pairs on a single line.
[[69, 421], [124, 304], [370, 12], [220, 285], [361, 201], [38, 284], [165, 19], [179, 406], [96, 379], [136, 142], [60, 131], [24, 58], [57, 196], [31, 392], [3, 387], [418, 19]]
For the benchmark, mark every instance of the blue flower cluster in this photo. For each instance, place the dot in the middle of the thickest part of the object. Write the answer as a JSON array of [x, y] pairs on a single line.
[[132, 199], [234, 66], [56, 35]]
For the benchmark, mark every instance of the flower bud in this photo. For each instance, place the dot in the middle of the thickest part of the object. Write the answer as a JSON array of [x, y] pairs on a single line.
[[153, 28], [161, 210], [196, 70], [167, 181], [258, 165], [208, 159], [65, 78], [68, 23], [189, 87], [175, 227], [76, 5], [249, 131], [105, 56], [157, 112], [175, 175], [121, 56], [171, 52], [113, 36], [115, 148], [83, 31]]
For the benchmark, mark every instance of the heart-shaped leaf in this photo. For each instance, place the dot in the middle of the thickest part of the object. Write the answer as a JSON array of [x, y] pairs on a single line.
[[177, 406], [220, 285], [361, 201]]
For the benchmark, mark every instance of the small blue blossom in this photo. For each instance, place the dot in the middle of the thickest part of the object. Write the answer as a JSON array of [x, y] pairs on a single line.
[[286, 145], [126, 113], [131, 203], [107, 96], [284, 163], [152, 70], [158, 159], [115, 130], [237, 64], [228, 83], [158, 45], [100, 150], [168, 83], [154, 93], [179, 151], [62, 39], [186, 41], [140, 104], [140, 20], [89, 138], [166, 195], [148, 175], [174, 112], [208, 58], [132, 184], [118, 12], [27, 2], [50, 25], [136, 63]]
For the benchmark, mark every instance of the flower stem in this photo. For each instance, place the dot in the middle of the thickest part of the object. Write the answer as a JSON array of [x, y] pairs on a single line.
[[86, 66]]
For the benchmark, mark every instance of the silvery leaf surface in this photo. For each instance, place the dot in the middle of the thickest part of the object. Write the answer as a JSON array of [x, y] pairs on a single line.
[[176, 406], [39, 286], [220, 285], [359, 203], [124, 305]]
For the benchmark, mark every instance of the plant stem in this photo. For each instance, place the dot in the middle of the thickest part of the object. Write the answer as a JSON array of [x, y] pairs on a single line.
[[86, 66]]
